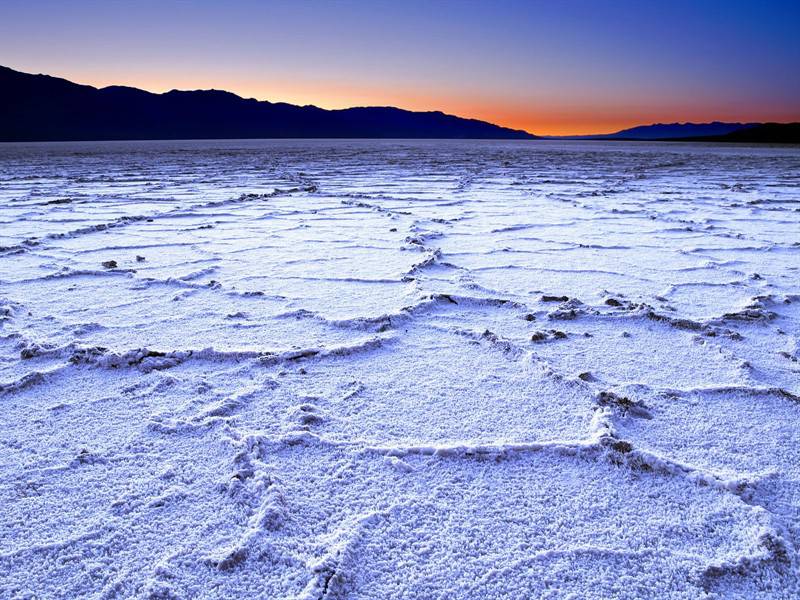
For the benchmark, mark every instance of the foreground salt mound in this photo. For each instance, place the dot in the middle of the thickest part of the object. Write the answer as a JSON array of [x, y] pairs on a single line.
[[399, 370]]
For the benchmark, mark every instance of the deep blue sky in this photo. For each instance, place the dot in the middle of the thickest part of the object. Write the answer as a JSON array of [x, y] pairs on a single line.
[[565, 66]]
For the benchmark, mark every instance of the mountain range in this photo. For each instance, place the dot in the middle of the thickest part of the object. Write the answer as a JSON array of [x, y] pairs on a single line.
[[45, 108], [716, 131], [40, 107], [666, 131]]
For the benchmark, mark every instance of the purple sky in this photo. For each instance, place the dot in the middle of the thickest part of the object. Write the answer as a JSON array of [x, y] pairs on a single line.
[[557, 67]]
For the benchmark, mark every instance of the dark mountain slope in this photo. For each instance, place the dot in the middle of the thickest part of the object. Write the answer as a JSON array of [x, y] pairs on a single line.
[[40, 107], [664, 131], [667, 131], [766, 133]]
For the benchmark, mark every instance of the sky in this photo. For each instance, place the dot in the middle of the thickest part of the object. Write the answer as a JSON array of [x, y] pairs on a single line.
[[554, 67]]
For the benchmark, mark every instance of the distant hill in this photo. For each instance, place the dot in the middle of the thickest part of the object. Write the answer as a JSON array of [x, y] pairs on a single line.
[[716, 131], [666, 131], [765, 133], [41, 108]]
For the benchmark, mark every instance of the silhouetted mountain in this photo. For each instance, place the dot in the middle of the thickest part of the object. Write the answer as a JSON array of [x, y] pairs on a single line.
[[666, 131], [765, 133], [40, 107]]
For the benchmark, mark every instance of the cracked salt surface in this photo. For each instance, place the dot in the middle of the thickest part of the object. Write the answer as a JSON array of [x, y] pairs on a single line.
[[387, 369]]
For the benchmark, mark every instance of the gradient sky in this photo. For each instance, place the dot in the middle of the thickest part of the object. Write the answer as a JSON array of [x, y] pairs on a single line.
[[550, 67]]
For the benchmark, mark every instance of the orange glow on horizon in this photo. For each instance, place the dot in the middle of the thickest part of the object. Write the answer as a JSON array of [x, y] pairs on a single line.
[[539, 118]]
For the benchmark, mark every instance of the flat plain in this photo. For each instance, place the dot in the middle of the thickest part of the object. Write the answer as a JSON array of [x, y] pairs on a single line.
[[396, 369]]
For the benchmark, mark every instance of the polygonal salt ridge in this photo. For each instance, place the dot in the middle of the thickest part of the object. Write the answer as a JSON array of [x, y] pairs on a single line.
[[148, 360], [309, 188], [126, 220], [769, 560], [464, 182], [663, 408], [255, 490], [495, 452], [16, 340], [505, 346], [426, 305], [254, 486], [67, 272], [569, 309], [415, 269], [164, 382], [420, 236], [250, 475], [197, 274], [624, 396], [603, 443], [754, 312], [118, 222], [218, 410], [23, 246], [228, 405], [623, 304], [288, 356], [724, 389], [709, 328], [432, 301], [514, 350], [376, 324], [8, 309], [679, 323], [143, 283], [390, 212], [29, 349], [624, 453], [428, 459], [300, 177], [623, 404], [267, 513], [31, 379], [305, 416], [327, 573], [447, 303], [549, 335]]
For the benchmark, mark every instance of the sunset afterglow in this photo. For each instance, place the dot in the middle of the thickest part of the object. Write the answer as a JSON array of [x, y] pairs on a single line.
[[547, 67]]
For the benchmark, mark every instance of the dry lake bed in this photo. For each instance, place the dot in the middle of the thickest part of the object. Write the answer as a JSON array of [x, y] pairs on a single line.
[[395, 369]]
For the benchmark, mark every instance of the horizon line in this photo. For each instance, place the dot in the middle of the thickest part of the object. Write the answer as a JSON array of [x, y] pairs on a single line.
[[598, 136]]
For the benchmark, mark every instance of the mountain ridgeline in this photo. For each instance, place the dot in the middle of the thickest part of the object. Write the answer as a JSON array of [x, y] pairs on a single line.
[[761, 133], [42, 108], [716, 131], [45, 108], [667, 131]]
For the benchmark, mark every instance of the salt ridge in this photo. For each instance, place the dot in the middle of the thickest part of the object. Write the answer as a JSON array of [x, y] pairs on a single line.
[[399, 369]]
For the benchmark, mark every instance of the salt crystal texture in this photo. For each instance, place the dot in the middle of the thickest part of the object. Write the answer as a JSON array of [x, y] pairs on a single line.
[[389, 369]]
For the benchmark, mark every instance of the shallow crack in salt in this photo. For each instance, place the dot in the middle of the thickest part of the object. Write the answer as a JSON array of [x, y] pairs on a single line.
[[379, 369]]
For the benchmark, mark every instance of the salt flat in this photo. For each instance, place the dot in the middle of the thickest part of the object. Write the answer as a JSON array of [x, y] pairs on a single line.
[[390, 369]]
